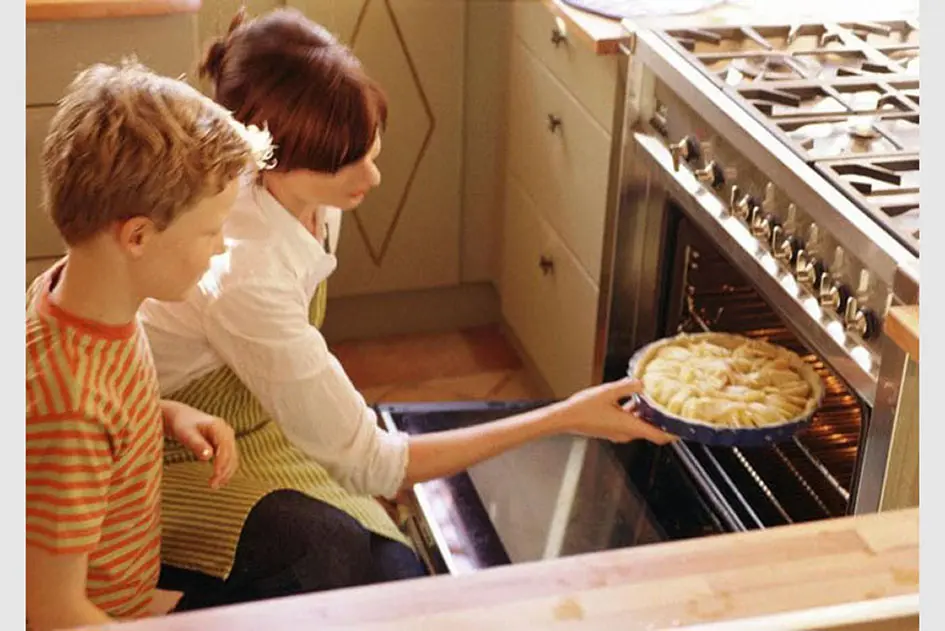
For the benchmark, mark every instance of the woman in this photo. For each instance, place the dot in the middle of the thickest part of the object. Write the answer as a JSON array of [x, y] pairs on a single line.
[[300, 514]]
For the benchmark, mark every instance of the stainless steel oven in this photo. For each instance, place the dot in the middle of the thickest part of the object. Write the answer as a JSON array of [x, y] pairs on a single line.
[[766, 184]]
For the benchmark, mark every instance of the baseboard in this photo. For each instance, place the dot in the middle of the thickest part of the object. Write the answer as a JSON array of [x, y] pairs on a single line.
[[402, 313], [528, 363]]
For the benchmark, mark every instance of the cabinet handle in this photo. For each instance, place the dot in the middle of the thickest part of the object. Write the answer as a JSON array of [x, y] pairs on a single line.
[[558, 37], [546, 264], [554, 123]]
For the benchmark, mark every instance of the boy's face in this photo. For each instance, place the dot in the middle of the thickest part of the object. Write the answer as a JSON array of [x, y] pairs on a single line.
[[168, 263]]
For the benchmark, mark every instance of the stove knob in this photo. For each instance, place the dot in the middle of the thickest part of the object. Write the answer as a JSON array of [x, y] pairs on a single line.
[[711, 175], [808, 269], [763, 226], [786, 246], [860, 320], [833, 294], [686, 150]]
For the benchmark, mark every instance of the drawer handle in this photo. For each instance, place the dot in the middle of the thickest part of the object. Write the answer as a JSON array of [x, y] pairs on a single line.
[[546, 264], [554, 123], [558, 37]]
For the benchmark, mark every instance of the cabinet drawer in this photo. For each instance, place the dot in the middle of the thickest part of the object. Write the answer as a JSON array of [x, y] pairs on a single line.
[[42, 239], [565, 168], [591, 78], [57, 51], [552, 311]]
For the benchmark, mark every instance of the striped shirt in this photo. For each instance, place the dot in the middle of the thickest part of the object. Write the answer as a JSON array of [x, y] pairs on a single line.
[[94, 443]]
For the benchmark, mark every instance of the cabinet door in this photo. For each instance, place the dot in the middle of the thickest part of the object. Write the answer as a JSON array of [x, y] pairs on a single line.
[[560, 154], [56, 51], [406, 234], [548, 300], [42, 239]]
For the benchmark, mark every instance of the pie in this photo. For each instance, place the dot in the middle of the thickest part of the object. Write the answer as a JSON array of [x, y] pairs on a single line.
[[728, 380]]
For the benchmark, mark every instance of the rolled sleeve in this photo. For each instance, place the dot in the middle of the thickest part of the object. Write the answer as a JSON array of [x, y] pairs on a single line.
[[263, 334]]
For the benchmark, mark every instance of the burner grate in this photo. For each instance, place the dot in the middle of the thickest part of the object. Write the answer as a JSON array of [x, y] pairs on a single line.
[[845, 97]]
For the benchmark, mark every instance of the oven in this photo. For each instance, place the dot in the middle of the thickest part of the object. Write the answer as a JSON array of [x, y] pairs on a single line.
[[718, 222]]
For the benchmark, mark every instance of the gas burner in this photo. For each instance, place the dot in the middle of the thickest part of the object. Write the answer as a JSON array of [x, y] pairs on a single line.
[[886, 187], [844, 96]]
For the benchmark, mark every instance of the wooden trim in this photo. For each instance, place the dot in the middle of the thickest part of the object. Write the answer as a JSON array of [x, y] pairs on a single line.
[[902, 326], [62, 10], [407, 312], [602, 35], [720, 578]]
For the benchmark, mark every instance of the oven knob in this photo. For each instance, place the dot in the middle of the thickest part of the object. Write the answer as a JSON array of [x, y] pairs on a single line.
[[786, 246], [860, 320], [742, 206], [711, 174], [808, 269], [686, 150], [763, 226], [833, 294]]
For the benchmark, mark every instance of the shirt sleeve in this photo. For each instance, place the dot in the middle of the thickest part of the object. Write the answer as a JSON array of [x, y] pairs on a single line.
[[69, 466], [263, 334]]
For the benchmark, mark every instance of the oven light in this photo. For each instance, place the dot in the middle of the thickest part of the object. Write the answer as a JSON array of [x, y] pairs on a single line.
[[744, 238], [835, 329], [862, 356], [788, 282], [768, 262], [812, 307]]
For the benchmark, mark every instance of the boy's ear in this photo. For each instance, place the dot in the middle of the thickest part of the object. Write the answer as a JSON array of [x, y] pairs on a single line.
[[134, 234]]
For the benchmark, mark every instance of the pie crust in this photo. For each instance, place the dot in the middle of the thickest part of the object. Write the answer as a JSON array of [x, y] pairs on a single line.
[[728, 381]]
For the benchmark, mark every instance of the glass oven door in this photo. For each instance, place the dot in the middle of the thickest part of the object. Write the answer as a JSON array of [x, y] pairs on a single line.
[[560, 496]]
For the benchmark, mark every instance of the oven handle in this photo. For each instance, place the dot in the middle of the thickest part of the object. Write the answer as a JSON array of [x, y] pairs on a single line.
[[823, 333]]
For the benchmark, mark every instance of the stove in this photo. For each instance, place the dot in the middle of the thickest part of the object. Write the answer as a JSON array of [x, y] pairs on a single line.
[[769, 186], [844, 97]]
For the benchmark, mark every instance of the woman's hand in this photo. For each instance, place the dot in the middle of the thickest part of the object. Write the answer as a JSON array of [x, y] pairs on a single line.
[[597, 412], [209, 437]]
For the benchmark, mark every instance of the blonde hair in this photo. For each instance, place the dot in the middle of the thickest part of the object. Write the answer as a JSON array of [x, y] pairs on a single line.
[[127, 143]]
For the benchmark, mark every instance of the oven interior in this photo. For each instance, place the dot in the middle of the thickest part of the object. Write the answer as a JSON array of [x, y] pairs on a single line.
[[570, 495], [810, 477]]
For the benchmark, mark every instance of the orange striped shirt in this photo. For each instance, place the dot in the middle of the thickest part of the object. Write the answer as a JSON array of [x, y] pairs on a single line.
[[94, 447]]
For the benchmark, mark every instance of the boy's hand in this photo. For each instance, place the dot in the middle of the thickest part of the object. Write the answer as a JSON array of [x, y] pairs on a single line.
[[205, 435]]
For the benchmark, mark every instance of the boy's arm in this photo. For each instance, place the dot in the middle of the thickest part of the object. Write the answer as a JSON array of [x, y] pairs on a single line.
[[55, 591]]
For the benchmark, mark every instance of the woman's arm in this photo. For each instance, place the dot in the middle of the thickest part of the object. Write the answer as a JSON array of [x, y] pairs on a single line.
[[263, 335], [594, 412]]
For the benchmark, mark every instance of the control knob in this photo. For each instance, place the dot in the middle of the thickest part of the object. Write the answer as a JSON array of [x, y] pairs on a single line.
[[711, 174], [857, 317], [741, 205], [832, 292], [686, 150]]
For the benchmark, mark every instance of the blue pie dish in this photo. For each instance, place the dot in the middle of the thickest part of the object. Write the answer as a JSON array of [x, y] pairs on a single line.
[[715, 435]]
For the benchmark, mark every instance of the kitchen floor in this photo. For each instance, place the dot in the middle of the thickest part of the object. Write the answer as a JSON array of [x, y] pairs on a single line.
[[468, 365]]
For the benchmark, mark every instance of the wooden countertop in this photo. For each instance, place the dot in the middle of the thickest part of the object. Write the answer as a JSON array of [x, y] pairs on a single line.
[[63, 10], [860, 563], [902, 325]]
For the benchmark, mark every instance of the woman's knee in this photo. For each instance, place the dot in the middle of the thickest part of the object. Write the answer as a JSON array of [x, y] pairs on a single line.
[[317, 545]]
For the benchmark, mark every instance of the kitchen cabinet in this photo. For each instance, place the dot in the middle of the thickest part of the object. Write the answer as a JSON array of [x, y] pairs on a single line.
[[55, 51], [407, 233], [560, 115]]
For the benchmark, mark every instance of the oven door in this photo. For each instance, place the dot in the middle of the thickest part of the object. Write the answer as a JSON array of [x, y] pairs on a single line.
[[555, 497]]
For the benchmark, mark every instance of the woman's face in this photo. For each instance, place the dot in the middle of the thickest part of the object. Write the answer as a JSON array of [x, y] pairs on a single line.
[[345, 189]]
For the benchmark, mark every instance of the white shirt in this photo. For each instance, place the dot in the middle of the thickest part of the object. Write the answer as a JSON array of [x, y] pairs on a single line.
[[250, 311]]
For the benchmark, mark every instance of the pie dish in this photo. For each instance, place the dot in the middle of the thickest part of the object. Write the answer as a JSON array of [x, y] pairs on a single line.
[[724, 389]]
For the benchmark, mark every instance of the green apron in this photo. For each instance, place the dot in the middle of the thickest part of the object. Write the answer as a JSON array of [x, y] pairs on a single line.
[[201, 527]]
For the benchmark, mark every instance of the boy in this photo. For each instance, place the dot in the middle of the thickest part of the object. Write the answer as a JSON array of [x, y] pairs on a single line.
[[139, 173]]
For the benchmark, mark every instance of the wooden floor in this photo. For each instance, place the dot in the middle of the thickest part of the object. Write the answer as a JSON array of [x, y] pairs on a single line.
[[468, 365]]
